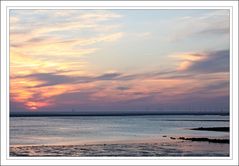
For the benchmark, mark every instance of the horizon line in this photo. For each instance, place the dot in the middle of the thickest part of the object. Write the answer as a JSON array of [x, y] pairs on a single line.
[[40, 114]]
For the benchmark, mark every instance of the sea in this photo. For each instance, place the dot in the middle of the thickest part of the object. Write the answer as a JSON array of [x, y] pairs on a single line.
[[82, 130]]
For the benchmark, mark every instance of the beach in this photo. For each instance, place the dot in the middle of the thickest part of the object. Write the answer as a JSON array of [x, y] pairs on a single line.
[[158, 149]]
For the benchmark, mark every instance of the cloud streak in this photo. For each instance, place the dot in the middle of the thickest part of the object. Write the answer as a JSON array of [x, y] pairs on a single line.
[[214, 23]]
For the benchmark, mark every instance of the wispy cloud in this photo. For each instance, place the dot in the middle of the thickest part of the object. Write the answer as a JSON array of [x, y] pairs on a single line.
[[38, 39], [214, 23]]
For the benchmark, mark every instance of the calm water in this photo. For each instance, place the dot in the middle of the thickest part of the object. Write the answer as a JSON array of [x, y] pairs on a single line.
[[99, 129]]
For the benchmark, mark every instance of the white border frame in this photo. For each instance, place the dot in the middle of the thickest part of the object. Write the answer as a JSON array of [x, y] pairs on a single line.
[[7, 5]]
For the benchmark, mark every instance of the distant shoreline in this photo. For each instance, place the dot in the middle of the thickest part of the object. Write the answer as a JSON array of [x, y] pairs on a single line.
[[105, 114], [220, 129]]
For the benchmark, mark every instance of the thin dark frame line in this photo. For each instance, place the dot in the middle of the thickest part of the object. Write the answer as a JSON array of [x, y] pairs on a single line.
[[115, 6], [8, 8], [118, 0]]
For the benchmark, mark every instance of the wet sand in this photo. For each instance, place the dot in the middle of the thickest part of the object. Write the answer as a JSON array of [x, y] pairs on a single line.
[[167, 148]]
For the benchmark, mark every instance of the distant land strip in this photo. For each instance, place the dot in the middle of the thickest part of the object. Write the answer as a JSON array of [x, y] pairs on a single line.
[[206, 120], [227, 141], [212, 129], [38, 114]]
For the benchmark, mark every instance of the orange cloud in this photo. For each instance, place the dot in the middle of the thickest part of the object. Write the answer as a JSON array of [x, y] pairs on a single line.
[[184, 65], [187, 59]]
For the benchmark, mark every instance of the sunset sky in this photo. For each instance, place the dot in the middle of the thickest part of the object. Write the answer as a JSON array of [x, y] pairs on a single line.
[[118, 60]]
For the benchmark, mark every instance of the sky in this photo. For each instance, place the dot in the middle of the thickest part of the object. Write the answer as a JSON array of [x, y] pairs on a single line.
[[119, 60]]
